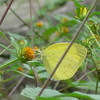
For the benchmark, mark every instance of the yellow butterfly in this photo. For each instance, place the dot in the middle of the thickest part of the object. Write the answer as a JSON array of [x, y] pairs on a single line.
[[70, 63]]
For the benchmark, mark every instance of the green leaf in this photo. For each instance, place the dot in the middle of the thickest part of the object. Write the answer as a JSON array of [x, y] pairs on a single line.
[[43, 98], [8, 79], [76, 3], [15, 44], [95, 13], [70, 14], [42, 73], [34, 63], [0, 95], [86, 85], [7, 48], [1, 33], [85, 96], [16, 36], [15, 66], [2, 1], [49, 31], [9, 62], [32, 93], [40, 69], [24, 74]]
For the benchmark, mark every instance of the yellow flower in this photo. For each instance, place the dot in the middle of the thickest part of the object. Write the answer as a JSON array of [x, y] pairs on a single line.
[[20, 69], [35, 49], [65, 29], [64, 20], [28, 53], [57, 33], [39, 24], [81, 12], [97, 37], [90, 22], [62, 31], [21, 42]]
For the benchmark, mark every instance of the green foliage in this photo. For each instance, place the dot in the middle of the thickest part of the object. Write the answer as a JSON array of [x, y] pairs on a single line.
[[2, 1], [85, 85], [2, 34], [15, 36], [7, 63], [85, 96], [76, 3], [32, 93], [42, 98], [49, 31], [48, 28]]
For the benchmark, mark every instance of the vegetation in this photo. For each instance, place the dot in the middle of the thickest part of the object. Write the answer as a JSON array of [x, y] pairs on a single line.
[[25, 63]]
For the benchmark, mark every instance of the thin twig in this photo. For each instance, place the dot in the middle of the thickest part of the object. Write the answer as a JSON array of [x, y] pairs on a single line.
[[35, 76], [94, 37], [16, 86], [5, 50], [97, 73], [5, 13], [31, 23], [56, 84], [38, 3], [85, 74], [97, 82], [77, 80], [35, 14], [72, 41]]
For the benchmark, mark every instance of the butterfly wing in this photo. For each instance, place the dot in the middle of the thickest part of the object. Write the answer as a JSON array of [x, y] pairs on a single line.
[[70, 63]]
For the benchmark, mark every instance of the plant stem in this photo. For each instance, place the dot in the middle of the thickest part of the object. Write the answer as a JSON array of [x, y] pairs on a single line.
[[56, 84], [94, 37], [16, 86], [96, 89], [4, 50], [72, 41], [85, 74], [95, 65], [35, 76], [6, 11], [31, 24]]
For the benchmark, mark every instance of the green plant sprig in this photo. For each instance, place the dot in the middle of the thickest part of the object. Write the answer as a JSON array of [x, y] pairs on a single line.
[[72, 41]]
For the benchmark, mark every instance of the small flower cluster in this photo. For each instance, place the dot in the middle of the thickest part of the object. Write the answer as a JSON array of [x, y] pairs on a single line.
[[20, 69], [24, 52], [39, 24], [81, 12], [29, 53], [63, 29], [64, 20], [94, 26]]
